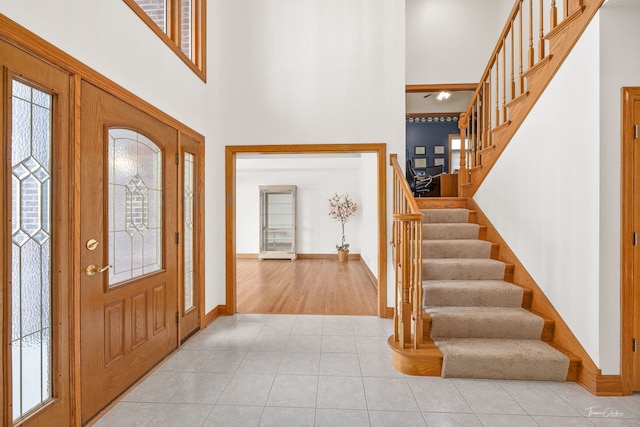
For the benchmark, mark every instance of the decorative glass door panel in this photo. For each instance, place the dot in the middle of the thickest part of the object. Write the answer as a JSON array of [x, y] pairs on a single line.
[[35, 238], [192, 313], [135, 205], [31, 357], [188, 226]]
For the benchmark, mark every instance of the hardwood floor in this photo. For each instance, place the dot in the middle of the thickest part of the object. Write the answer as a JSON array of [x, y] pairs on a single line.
[[304, 286]]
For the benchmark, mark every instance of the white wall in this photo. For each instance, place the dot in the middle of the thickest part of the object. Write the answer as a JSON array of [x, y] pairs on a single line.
[[317, 179], [619, 65], [369, 237], [450, 41], [279, 72], [543, 193], [311, 71]]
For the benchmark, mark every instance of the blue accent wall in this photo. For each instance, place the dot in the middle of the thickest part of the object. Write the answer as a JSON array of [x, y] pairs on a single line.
[[427, 132]]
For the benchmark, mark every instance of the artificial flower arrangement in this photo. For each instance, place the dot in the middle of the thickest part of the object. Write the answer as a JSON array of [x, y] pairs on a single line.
[[341, 208]]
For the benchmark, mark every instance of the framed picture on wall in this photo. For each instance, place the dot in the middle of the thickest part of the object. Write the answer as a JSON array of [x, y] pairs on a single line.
[[438, 149], [420, 162], [420, 151], [438, 161]]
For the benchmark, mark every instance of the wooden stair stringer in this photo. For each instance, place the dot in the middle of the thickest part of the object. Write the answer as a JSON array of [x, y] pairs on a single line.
[[586, 372], [561, 42]]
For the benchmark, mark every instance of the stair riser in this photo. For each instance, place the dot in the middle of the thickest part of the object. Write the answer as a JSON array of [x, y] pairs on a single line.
[[450, 232], [441, 216], [456, 249], [466, 298], [488, 328], [500, 369], [547, 329], [455, 272]]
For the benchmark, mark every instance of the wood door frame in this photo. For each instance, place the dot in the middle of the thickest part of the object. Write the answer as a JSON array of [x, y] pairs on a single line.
[[629, 95], [230, 207]]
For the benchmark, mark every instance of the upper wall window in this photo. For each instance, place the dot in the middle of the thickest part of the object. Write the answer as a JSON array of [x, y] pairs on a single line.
[[180, 24]]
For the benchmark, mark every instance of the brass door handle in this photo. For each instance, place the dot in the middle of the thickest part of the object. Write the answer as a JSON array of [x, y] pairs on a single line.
[[92, 269]]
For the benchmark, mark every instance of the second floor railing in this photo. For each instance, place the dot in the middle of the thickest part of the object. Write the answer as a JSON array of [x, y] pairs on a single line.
[[523, 47]]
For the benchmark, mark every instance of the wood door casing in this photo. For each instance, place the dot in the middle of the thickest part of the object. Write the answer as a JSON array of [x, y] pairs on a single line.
[[630, 257], [636, 248], [128, 328]]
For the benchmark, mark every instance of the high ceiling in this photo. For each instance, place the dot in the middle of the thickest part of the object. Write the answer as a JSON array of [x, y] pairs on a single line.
[[427, 102]]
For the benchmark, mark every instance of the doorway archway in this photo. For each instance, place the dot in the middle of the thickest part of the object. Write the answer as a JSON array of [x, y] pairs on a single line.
[[231, 153]]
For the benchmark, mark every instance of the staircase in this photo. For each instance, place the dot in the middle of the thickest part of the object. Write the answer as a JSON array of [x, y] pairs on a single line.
[[475, 322], [458, 312], [478, 320]]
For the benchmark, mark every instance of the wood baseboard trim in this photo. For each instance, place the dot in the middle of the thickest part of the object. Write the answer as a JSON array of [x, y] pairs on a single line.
[[600, 385], [218, 311], [374, 280], [327, 256], [304, 256], [246, 256]]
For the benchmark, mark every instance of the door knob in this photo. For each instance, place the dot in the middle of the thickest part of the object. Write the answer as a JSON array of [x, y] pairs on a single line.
[[92, 269]]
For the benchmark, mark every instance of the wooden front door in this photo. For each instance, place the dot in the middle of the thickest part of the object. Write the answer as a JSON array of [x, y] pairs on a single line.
[[128, 246]]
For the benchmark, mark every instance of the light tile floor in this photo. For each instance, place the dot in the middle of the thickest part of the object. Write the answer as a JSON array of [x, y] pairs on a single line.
[[303, 370]]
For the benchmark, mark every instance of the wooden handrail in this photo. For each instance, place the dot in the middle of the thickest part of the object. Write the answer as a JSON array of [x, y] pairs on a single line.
[[524, 46], [407, 261]]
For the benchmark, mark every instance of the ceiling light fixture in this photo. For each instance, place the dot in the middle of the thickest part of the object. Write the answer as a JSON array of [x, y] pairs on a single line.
[[443, 95]]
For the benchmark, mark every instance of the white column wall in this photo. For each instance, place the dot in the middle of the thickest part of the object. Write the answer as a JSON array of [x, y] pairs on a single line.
[[369, 214], [279, 72]]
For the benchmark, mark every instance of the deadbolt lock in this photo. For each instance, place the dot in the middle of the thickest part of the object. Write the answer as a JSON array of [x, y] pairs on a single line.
[[92, 244]]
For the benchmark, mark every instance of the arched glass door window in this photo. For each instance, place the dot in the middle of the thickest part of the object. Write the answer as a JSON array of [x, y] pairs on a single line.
[[135, 205]]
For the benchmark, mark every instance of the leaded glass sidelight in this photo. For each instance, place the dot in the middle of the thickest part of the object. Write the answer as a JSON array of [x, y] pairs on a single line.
[[188, 203], [135, 205], [31, 353]]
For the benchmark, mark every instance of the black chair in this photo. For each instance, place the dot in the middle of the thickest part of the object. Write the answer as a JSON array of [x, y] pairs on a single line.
[[424, 184]]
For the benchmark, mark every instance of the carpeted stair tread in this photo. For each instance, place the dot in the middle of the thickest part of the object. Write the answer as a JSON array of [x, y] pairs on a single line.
[[502, 359], [484, 322], [465, 231], [462, 269], [487, 293], [445, 215], [456, 248]]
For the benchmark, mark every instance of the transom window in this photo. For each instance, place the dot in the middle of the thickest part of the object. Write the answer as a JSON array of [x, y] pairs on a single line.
[[180, 24]]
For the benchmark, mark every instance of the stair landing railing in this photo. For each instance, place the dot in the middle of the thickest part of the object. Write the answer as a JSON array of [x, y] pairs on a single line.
[[407, 261], [522, 47]]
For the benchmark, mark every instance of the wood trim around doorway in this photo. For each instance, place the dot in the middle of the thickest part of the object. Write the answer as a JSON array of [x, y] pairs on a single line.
[[230, 207], [629, 95]]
